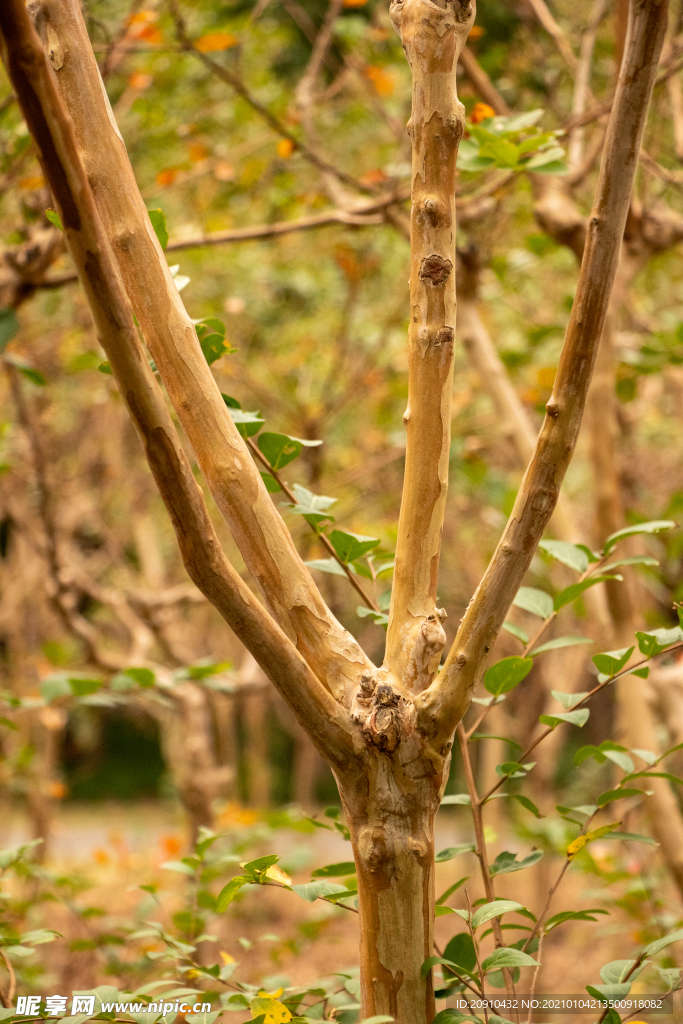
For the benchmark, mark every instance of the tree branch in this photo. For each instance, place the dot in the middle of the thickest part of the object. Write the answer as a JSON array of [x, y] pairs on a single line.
[[238, 85], [433, 39], [447, 699], [49, 124], [582, 80], [233, 479]]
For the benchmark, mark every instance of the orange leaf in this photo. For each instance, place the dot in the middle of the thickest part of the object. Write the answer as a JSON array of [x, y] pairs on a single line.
[[480, 112], [382, 80], [57, 790], [223, 171], [374, 177], [140, 80], [198, 152], [214, 41], [354, 3], [285, 148], [35, 181], [151, 34], [476, 32], [167, 176]]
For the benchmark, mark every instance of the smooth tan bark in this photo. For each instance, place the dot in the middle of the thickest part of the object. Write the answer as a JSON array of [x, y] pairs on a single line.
[[229, 471], [60, 159], [391, 754], [433, 37], [446, 700]]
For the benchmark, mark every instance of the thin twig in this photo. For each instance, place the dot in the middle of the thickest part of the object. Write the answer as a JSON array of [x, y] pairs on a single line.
[[327, 544], [580, 704], [240, 88], [9, 999]]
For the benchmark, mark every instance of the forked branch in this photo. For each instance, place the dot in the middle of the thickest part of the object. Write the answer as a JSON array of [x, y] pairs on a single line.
[[233, 479], [52, 132]]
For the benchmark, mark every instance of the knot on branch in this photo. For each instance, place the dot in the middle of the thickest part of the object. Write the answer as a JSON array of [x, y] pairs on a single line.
[[383, 718], [426, 652], [462, 10], [435, 270]]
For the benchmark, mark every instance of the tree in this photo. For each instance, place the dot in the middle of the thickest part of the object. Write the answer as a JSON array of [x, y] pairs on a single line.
[[387, 732]]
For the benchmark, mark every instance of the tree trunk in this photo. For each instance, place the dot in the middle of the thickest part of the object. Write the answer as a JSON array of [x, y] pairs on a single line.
[[390, 810]]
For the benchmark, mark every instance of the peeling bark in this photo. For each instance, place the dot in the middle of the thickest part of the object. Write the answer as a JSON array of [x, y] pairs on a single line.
[[433, 37]]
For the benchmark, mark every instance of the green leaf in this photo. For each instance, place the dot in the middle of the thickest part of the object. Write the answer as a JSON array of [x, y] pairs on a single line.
[[513, 769], [80, 686], [228, 893], [619, 757], [671, 976], [653, 643], [510, 627], [179, 867], [450, 1016], [350, 546], [281, 449], [516, 122], [346, 867], [659, 944], [272, 486], [330, 565], [53, 686], [526, 803], [552, 156], [458, 799], [560, 641], [203, 669], [535, 601], [9, 327], [631, 531], [26, 370], [494, 909], [507, 957], [434, 960], [454, 851], [568, 700], [489, 736], [570, 594], [612, 662], [451, 889], [632, 837], [142, 676], [638, 560], [313, 507], [105, 367], [311, 891], [578, 718], [54, 218], [247, 423], [642, 673], [572, 915], [159, 224], [506, 674], [460, 950], [211, 335], [506, 862], [617, 794], [231, 402], [380, 618], [569, 554]]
